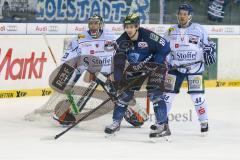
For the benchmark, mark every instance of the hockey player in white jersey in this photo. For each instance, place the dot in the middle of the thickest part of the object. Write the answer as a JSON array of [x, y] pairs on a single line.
[[95, 49], [189, 44], [96, 42]]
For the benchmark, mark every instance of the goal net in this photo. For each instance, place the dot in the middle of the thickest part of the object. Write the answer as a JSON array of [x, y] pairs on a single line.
[[58, 99]]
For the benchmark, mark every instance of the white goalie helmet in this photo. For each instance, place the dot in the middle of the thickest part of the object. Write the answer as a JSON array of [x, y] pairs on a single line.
[[95, 25]]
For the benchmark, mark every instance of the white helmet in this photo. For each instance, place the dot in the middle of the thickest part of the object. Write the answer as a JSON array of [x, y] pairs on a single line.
[[94, 31]]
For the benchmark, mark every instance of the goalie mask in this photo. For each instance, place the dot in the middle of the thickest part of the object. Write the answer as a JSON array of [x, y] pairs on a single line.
[[95, 25], [135, 117]]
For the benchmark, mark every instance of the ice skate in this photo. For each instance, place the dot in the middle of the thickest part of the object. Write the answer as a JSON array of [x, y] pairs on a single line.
[[153, 126], [204, 128], [112, 128], [161, 131]]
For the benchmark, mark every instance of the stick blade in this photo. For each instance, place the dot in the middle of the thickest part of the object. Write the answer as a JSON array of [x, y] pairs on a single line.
[[47, 138]]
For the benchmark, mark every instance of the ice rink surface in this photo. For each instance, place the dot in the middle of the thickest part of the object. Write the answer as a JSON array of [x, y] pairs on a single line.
[[24, 140]]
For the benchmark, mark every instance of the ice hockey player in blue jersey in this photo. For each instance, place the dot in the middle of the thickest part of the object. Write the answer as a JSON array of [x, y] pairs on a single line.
[[142, 46], [189, 45]]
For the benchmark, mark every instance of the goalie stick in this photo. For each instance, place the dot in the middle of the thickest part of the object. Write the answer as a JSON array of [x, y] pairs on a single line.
[[104, 102]]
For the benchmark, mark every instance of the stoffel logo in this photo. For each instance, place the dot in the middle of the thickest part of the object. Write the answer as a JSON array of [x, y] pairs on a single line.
[[20, 68]]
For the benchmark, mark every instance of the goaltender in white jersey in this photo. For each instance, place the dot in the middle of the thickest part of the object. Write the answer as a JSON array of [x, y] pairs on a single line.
[[96, 49], [92, 50]]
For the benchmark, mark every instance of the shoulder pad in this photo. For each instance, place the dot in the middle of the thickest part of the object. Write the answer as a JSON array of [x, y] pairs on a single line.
[[197, 25], [73, 44]]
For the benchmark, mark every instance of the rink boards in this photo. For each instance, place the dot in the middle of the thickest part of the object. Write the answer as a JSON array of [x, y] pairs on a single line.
[[49, 91]]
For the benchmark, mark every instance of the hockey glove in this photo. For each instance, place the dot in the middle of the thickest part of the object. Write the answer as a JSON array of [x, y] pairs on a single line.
[[209, 53]]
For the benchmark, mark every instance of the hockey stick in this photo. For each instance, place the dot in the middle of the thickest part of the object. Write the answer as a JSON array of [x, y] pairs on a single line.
[[49, 48], [99, 106], [86, 96], [89, 91], [184, 65]]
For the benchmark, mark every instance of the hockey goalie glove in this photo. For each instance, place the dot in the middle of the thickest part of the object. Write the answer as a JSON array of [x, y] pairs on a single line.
[[209, 53], [135, 116]]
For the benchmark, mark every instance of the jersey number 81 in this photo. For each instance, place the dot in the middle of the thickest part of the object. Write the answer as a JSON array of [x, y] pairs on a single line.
[[162, 41]]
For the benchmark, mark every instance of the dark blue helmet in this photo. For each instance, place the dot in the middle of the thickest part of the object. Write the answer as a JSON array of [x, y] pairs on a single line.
[[186, 7]]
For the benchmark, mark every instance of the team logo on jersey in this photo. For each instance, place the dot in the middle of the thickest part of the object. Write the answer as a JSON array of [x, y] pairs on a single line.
[[186, 56], [133, 57], [108, 43], [142, 44], [201, 110], [92, 52], [176, 45], [193, 39], [92, 61], [85, 44], [97, 45], [154, 37]]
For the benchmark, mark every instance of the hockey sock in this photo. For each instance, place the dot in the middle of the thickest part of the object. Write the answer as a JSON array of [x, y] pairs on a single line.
[[119, 111], [160, 110], [200, 106]]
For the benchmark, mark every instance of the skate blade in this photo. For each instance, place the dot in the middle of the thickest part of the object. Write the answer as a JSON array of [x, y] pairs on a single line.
[[204, 134], [47, 138], [109, 136], [160, 139]]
